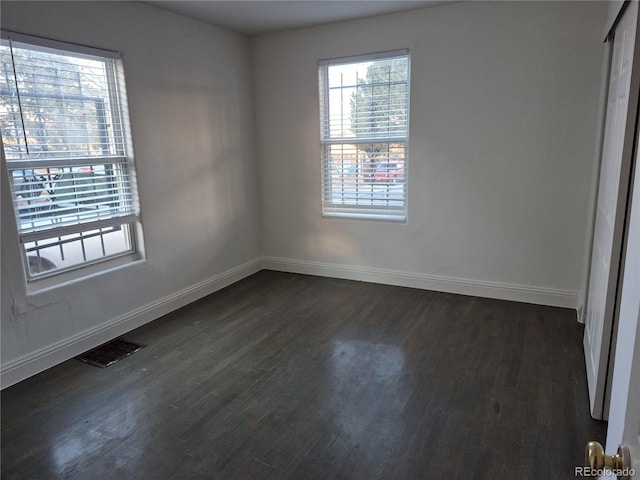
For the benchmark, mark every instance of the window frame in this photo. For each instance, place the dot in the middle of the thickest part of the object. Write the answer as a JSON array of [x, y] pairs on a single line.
[[129, 223], [330, 208]]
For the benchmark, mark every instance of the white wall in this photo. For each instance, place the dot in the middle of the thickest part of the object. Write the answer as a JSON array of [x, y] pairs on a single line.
[[504, 103], [191, 114]]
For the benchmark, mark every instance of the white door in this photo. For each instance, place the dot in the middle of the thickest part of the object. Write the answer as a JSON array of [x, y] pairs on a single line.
[[624, 413], [611, 208]]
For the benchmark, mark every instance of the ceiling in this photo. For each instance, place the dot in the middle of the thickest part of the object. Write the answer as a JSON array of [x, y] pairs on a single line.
[[254, 17]]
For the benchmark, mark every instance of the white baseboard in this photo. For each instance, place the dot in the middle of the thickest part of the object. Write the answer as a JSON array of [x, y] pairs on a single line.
[[501, 291], [35, 362], [38, 361]]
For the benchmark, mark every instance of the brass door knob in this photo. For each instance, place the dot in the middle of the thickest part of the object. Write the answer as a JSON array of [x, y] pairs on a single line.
[[596, 459]]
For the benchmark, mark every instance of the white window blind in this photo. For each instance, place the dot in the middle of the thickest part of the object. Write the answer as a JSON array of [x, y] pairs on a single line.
[[364, 104], [65, 134]]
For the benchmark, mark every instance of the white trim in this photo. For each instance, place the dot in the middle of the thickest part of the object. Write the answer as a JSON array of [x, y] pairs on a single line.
[[364, 214], [462, 286], [403, 52], [28, 365], [49, 44], [21, 368]]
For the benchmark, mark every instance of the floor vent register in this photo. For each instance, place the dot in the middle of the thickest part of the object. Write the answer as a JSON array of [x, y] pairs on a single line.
[[110, 352]]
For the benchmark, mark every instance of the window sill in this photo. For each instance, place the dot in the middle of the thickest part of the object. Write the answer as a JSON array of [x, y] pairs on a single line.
[[64, 279], [397, 218]]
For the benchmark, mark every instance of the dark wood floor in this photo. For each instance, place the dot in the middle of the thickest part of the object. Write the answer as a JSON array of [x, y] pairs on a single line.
[[288, 376]]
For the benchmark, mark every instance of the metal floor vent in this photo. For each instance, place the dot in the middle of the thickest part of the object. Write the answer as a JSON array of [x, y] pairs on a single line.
[[110, 352]]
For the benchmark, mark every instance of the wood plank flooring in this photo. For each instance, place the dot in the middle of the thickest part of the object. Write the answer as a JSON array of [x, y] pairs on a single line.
[[285, 376]]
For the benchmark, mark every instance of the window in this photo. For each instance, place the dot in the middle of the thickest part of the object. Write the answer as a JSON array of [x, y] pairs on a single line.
[[364, 105], [65, 134]]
